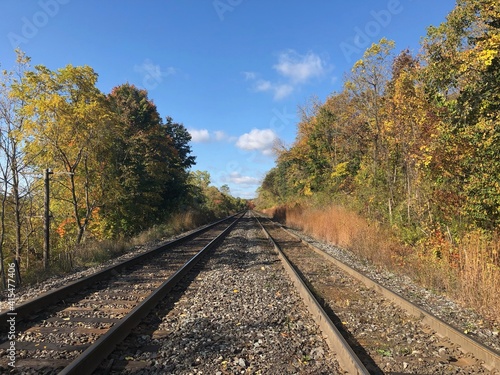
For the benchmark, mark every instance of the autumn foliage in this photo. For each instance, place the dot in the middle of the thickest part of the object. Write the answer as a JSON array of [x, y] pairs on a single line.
[[411, 145], [118, 168]]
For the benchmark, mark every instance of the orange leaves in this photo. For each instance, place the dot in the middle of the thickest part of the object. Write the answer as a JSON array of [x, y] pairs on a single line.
[[64, 226]]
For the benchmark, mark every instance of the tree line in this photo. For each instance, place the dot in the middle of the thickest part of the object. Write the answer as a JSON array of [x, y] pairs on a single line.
[[410, 140], [117, 167]]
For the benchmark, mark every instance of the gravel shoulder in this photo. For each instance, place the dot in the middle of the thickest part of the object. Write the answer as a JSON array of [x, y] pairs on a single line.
[[464, 319], [384, 336]]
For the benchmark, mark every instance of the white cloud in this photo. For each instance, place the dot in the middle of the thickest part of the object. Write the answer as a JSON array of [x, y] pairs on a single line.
[[199, 136], [238, 179], [279, 91], [263, 85], [298, 68], [282, 91], [205, 136], [261, 140], [294, 69], [220, 136]]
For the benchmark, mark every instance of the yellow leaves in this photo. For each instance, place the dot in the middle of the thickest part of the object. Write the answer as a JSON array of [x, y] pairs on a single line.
[[340, 170], [307, 189], [16, 134], [358, 64], [487, 56], [426, 157], [382, 47], [349, 85]]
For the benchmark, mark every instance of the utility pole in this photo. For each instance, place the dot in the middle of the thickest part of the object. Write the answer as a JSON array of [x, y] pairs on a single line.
[[46, 218]]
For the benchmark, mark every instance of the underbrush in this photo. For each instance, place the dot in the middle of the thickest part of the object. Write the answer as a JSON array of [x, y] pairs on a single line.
[[468, 270]]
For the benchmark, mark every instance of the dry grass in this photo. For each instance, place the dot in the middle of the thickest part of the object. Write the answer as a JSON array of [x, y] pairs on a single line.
[[346, 229], [469, 271], [478, 262], [180, 222]]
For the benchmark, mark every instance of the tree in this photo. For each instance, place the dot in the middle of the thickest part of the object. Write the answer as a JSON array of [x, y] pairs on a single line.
[[181, 162], [224, 189], [181, 138], [147, 162], [366, 85], [463, 72], [12, 145], [410, 122], [67, 125]]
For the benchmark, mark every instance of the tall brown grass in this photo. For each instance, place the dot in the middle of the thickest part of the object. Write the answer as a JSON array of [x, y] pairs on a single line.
[[479, 270], [467, 271]]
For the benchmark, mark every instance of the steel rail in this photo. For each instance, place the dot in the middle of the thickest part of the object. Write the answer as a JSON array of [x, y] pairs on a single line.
[[489, 356], [347, 359], [54, 296], [91, 358]]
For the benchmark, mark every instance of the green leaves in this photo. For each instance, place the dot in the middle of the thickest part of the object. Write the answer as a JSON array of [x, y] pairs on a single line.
[[463, 56], [117, 167], [68, 124], [148, 162]]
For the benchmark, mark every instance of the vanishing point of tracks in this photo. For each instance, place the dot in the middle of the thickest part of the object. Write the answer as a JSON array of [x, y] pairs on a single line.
[[237, 313]]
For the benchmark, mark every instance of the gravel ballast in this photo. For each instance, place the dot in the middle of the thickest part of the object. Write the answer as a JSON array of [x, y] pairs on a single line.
[[464, 319], [240, 315]]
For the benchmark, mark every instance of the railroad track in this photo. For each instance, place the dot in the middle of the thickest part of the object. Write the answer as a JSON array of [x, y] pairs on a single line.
[[236, 314], [98, 312], [380, 331]]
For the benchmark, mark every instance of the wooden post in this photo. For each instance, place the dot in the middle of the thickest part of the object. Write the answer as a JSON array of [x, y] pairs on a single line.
[[46, 219]]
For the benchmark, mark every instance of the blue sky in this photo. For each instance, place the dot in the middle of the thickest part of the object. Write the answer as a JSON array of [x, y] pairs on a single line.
[[234, 72]]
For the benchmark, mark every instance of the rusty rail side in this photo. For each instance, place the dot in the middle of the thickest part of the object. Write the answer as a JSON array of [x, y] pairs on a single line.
[[91, 358], [490, 357], [54, 296], [347, 359]]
